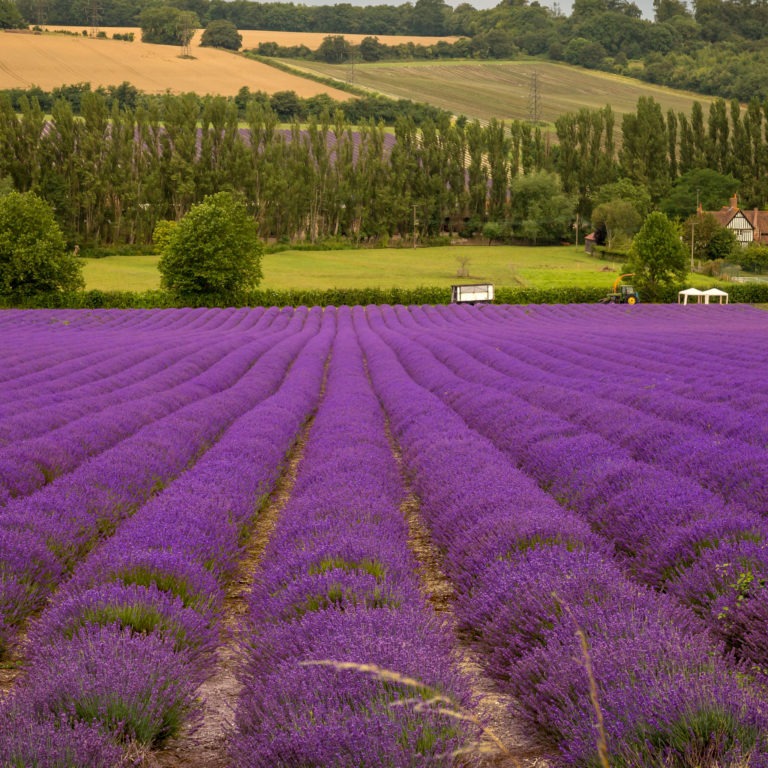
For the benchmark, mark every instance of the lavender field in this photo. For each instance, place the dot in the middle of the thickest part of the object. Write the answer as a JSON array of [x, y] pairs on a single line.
[[574, 498]]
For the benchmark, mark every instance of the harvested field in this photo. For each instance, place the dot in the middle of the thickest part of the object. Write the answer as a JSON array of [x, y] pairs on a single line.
[[50, 61], [501, 89], [252, 37]]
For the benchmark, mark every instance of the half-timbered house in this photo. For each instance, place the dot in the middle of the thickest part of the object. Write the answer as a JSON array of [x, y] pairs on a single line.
[[748, 226]]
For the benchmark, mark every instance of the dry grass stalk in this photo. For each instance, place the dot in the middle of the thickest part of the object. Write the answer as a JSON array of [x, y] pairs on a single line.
[[436, 702], [602, 742]]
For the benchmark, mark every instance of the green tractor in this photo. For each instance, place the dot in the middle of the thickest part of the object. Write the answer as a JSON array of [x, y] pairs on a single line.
[[622, 294]]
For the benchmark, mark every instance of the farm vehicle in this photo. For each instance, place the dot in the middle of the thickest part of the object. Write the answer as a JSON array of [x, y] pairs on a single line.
[[622, 293]]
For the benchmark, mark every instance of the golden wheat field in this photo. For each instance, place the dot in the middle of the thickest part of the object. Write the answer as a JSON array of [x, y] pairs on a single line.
[[51, 60]]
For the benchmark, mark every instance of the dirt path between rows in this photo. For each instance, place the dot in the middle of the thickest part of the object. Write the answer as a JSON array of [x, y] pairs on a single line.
[[206, 746], [494, 708]]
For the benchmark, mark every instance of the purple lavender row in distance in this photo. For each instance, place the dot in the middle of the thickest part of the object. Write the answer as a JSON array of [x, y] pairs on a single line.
[[133, 632], [127, 373], [45, 534], [646, 360], [39, 347], [28, 465], [530, 575], [339, 584]]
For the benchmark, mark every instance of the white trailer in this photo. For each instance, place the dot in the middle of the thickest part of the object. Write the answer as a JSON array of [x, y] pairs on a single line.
[[472, 294]]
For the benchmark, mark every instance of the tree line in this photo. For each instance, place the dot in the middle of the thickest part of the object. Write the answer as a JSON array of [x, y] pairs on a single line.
[[113, 172], [287, 105]]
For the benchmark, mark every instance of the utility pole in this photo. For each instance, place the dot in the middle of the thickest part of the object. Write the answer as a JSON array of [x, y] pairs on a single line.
[[693, 225], [534, 99], [693, 230], [95, 14]]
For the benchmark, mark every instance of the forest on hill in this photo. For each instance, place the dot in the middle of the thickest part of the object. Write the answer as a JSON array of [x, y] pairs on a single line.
[[716, 48]]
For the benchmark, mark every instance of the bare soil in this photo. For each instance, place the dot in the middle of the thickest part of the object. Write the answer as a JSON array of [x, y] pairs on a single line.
[[205, 746], [504, 743]]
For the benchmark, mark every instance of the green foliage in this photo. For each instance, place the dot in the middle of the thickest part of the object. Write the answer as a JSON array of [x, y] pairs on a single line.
[[584, 53], [703, 186], [625, 190], [10, 18], [213, 251], [540, 212], [745, 293], [711, 241], [493, 230], [167, 25], [753, 258], [334, 49], [657, 257], [222, 34], [33, 255], [620, 219]]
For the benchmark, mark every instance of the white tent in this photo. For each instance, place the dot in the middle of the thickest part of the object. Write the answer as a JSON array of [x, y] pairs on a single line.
[[683, 296], [712, 292]]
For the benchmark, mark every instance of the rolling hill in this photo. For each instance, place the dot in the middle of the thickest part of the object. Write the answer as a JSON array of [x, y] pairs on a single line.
[[502, 89], [51, 60], [477, 89]]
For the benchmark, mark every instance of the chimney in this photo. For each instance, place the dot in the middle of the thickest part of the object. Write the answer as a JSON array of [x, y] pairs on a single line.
[[734, 201]]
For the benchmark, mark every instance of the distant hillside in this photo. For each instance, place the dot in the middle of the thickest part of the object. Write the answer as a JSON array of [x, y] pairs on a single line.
[[503, 89]]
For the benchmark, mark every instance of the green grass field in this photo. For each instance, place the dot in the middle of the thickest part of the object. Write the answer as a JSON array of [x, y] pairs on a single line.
[[385, 268], [513, 266], [501, 89]]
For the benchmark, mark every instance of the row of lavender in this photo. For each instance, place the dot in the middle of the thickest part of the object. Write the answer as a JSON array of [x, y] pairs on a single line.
[[45, 533], [138, 619], [117, 655], [339, 584], [81, 405], [699, 543], [675, 533]]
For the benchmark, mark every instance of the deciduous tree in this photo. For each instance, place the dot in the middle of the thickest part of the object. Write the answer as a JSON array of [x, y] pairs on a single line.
[[33, 253], [222, 34], [657, 256], [213, 252]]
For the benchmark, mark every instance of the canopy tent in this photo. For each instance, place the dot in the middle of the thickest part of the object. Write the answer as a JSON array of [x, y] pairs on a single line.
[[683, 296], [712, 292]]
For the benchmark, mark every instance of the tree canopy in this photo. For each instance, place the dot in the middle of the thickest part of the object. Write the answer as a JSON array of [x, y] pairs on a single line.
[[213, 251], [657, 256], [10, 17], [166, 25], [33, 253], [221, 33]]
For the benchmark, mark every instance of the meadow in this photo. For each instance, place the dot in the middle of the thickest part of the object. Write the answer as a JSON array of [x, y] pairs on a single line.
[[554, 266], [502, 265], [477, 89], [51, 60], [315, 519]]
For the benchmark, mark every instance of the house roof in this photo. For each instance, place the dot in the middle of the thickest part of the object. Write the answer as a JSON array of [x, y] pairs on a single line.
[[757, 219]]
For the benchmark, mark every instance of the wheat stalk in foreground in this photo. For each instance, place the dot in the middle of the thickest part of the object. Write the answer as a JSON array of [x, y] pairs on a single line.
[[436, 702]]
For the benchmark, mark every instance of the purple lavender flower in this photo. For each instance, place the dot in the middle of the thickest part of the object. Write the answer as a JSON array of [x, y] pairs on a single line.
[[133, 685]]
